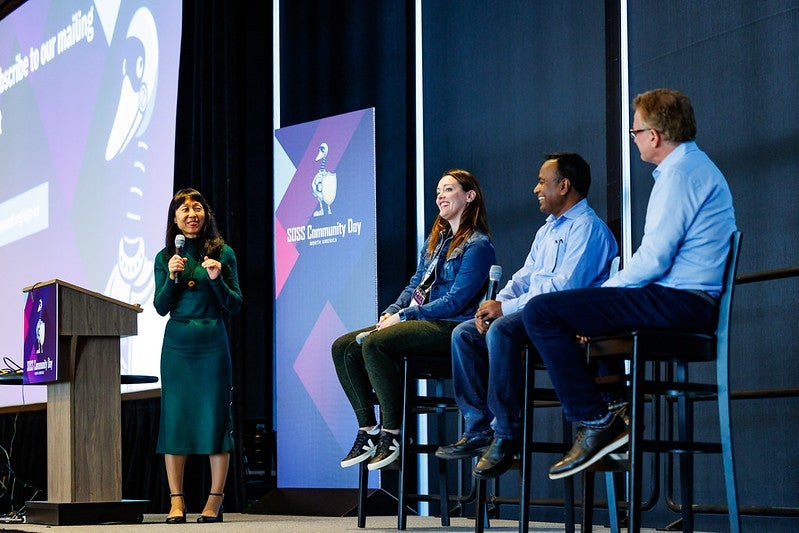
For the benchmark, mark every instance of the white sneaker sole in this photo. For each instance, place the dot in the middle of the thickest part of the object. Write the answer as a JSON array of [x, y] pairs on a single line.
[[384, 462], [361, 458], [615, 445]]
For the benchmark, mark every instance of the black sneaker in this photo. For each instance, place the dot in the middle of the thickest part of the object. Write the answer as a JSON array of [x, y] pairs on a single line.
[[388, 451], [364, 448]]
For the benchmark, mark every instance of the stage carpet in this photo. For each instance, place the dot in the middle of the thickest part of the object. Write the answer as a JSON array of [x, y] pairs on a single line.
[[245, 523]]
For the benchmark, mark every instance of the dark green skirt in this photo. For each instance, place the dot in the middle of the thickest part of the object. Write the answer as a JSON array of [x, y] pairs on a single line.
[[196, 388]]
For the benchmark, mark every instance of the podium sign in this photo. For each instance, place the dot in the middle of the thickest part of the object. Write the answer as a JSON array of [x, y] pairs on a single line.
[[84, 418], [40, 327]]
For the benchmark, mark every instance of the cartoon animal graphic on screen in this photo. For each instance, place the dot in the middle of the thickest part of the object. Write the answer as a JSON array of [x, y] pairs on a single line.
[[324, 183], [131, 279], [138, 84]]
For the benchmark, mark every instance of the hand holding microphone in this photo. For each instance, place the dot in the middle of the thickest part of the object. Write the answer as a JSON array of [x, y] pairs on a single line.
[[489, 308], [180, 241]]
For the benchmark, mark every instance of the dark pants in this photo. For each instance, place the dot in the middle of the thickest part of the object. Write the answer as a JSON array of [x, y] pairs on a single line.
[[375, 365], [554, 320]]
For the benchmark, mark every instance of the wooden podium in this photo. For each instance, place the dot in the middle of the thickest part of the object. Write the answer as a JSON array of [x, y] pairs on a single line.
[[84, 433]]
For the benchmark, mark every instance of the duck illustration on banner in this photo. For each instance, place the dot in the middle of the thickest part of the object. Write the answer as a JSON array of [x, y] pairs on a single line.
[[324, 183]]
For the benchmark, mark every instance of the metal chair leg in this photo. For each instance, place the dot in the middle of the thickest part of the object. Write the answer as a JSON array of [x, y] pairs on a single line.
[[725, 425], [402, 515], [480, 514], [443, 488], [635, 445], [527, 437], [588, 502], [613, 508], [363, 489]]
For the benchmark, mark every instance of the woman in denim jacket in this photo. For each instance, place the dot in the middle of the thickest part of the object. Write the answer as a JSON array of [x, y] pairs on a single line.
[[444, 291]]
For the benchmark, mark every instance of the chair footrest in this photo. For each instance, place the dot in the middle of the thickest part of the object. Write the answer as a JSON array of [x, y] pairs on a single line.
[[434, 402], [423, 497], [549, 447], [675, 446], [677, 388], [422, 448], [614, 462]]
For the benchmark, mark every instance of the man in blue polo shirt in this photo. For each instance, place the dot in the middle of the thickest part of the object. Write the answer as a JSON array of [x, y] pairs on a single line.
[[671, 281]]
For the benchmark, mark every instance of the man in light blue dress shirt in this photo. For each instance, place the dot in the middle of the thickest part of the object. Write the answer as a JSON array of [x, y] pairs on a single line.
[[671, 281], [574, 248]]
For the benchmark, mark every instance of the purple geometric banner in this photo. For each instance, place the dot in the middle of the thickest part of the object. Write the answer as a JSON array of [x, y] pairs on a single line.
[[325, 285]]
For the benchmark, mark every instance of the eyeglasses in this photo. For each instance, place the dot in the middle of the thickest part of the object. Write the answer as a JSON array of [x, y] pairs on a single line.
[[634, 133]]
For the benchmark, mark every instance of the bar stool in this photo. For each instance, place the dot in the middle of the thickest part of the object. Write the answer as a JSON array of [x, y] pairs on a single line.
[[438, 372], [674, 350], [535, 397]]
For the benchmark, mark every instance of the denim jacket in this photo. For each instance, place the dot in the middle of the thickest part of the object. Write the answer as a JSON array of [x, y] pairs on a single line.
[[460, 280]]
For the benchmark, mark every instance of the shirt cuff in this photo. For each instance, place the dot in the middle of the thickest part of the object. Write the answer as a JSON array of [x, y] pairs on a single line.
[[508, 307]]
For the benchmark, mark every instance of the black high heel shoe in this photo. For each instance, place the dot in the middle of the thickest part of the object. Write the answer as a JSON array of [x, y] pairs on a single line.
[[179, 519], [203, 519]]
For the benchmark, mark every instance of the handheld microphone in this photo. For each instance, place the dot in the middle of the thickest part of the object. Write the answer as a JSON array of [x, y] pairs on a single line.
[[180, 240], [362, 335], [494, 275]]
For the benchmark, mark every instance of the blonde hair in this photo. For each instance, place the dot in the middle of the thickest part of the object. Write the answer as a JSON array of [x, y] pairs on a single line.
[[669, 112]]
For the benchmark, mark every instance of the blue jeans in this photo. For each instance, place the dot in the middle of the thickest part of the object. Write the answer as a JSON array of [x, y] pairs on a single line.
[[553, 320], [488, 375]]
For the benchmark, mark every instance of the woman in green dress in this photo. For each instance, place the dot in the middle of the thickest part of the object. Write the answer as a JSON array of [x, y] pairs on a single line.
[[195, 286]]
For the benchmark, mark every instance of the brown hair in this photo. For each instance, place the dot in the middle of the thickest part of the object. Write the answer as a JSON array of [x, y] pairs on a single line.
[[473, 217]]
